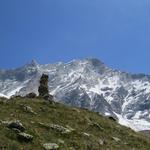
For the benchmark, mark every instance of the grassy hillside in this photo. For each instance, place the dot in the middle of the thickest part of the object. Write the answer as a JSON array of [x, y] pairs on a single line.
[[87, 130]]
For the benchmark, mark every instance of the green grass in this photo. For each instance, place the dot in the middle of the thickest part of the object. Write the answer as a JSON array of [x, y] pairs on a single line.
[[78, 119]]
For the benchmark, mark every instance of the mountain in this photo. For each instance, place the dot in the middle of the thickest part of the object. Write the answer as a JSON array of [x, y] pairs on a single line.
[[36, 124], [87, 83]]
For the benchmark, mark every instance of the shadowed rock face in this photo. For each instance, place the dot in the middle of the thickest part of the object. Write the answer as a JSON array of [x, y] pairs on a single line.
[[43, 88]]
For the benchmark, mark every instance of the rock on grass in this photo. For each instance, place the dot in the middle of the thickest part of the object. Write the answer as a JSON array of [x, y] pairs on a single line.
[[24, 137], [50, 146], [15, 124]]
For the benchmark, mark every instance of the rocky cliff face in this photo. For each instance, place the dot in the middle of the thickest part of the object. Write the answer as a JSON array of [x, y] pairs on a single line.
[[87, 83]]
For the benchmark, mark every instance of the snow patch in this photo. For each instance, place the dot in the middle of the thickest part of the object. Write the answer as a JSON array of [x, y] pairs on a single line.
[[2, 95], [135, 124], [13, 92]]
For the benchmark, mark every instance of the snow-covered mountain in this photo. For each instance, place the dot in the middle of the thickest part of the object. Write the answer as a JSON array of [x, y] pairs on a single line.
[[87, 83]]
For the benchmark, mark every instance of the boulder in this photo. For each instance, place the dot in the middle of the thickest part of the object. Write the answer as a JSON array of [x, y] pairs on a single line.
[[112, 118], [86, 134], [48, 97], [28, 109], [101, 142], [44, 125], [58, 128], [31, 95], [50, 146], [24, 137], [15, 125], [61, 129], [116, 139], [16, 130]]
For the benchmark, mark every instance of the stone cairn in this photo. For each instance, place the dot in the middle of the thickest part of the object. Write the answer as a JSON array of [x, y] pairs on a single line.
[[43, 88]]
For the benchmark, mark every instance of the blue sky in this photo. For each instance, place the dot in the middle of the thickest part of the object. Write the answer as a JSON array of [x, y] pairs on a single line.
[[115, 31]]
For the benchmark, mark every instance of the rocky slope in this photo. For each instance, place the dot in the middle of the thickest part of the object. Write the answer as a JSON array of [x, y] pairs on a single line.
[[87, 83], [36, 124]]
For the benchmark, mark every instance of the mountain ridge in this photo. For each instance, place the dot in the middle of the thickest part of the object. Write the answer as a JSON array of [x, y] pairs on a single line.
[[87, 83]]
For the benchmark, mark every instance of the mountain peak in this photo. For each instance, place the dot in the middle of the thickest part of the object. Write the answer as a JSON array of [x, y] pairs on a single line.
[[95, 61], [33, 63]]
